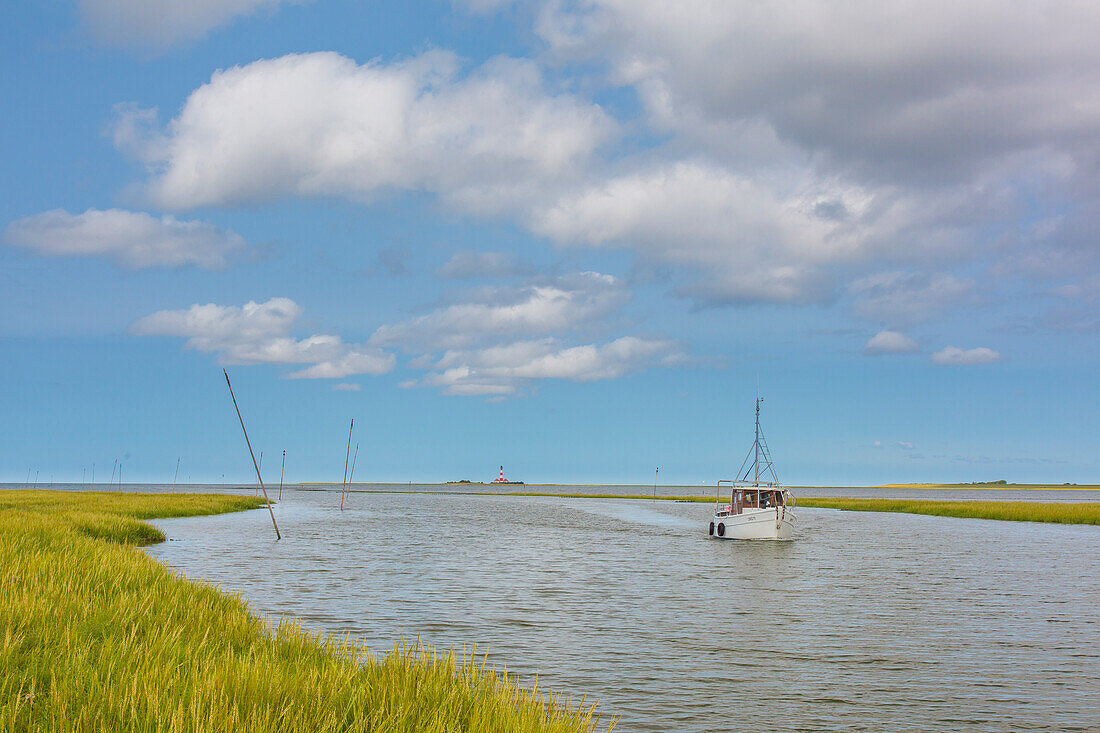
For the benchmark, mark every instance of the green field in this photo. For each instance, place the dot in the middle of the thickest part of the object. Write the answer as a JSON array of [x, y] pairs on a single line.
[[1013, 511], [96, 636]]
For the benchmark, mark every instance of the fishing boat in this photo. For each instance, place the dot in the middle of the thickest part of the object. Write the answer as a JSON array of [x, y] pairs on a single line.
[[756, 508]]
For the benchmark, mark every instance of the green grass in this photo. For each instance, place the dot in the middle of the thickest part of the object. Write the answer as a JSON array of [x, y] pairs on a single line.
[[97, 636], [1013, 511]]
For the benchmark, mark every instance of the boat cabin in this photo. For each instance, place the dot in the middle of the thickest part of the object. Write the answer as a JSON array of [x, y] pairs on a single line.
[[742, 498]]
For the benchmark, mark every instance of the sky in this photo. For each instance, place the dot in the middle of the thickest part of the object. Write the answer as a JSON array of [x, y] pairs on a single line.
[[572, 237]]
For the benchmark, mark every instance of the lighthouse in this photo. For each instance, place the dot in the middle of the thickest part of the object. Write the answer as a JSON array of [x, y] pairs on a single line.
[[501, 480]]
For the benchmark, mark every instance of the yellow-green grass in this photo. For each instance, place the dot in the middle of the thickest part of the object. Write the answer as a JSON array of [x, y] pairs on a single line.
[[1016, 511], [1013, 511], [995, 486], [97, 636]]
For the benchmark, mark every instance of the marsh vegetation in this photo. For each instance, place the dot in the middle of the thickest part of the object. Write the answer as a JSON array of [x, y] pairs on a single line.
[[95, 635]]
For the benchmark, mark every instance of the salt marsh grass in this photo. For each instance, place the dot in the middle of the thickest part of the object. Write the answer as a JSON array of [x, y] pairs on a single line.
[[96, 636], [1013, 511]]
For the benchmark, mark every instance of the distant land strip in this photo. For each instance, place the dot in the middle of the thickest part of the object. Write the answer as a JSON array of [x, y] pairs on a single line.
[[1011, 511]]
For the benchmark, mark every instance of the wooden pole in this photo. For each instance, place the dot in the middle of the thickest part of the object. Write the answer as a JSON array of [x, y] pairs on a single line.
[[281, 476], [344, 486], [254, 464], [351, 476]]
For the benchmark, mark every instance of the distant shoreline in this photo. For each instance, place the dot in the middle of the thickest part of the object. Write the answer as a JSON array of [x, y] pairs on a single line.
[[930, 486]]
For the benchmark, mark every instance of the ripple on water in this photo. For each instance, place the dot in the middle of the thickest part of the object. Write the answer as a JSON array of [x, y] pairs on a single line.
[[865, 622]]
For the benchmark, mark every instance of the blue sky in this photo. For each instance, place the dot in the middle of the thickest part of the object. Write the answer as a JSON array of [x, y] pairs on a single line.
[[564, 236]]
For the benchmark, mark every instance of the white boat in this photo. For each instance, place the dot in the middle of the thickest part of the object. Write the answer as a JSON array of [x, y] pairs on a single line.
[[754, 509]]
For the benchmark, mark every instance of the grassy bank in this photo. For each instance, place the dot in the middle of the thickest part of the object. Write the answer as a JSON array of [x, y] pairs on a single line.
[[995, 486], [96, 636], [1013, 511]]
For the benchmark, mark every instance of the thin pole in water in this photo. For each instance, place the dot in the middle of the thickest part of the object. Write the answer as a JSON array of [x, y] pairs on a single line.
[[657, 471], [177, 471], [254, 464], [351, 476], [281, 476], [344, 486]]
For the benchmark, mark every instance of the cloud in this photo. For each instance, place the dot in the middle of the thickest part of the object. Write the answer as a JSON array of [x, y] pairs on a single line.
[[471, 265], [906, 298], [503, 370], [954, 356], [162, 23], [963, 119], [542, 307], [748, 240], [259, 333], [319, 124], [132, 239], [346, 387], [929, 91], [890, 342]]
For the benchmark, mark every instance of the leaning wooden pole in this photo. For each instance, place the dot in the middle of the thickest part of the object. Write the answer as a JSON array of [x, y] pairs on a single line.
[[254, 464], [347, 456], [351, 476]]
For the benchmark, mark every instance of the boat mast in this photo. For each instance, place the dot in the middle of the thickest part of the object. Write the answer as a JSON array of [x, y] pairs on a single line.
[[756, 446]]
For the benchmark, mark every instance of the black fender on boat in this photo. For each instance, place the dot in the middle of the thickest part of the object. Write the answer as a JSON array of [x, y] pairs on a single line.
[[711, 531], [721, 529]]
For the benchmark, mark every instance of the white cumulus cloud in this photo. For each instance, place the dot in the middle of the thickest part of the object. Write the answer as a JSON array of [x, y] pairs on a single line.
[[954, 356], [503, 370], [259, 333], [748, 240], [320, 124], [550, 306], [133, 239]]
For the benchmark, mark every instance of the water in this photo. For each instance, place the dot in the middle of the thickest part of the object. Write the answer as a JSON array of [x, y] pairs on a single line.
[[866, 622]]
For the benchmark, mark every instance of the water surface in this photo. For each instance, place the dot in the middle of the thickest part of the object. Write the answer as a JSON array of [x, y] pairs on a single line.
[[866, 622]]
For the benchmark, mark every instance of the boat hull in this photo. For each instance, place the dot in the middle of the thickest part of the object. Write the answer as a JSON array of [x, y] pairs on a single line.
[[773, 523]]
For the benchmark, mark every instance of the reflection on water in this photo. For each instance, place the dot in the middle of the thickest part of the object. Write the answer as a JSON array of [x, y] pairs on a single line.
[[866, 622]]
